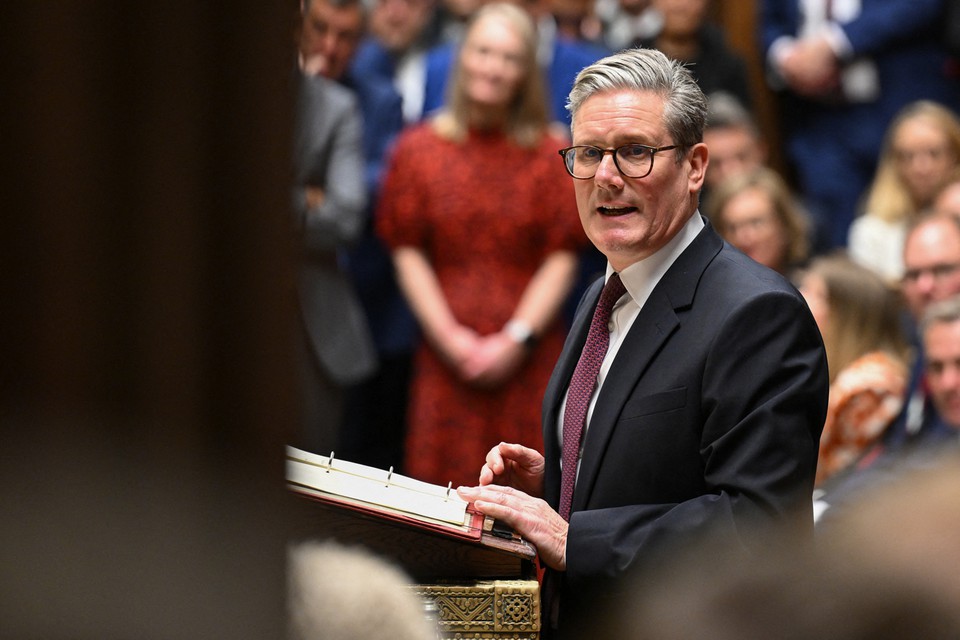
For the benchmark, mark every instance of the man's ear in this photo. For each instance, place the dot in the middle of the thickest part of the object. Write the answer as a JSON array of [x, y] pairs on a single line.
[[698, 157]]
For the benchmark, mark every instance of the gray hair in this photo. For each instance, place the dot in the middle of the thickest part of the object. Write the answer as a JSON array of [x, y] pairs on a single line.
[[942, 312], [685, 105]]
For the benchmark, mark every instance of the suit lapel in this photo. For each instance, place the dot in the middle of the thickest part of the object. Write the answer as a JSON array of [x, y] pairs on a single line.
[[656, 322]]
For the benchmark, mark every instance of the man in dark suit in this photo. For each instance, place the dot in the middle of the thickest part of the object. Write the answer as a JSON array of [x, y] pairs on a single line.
[[710, 399]]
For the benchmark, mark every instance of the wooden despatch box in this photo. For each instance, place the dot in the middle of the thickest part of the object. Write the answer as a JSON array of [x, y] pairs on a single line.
[[485, 609], [478, 577]]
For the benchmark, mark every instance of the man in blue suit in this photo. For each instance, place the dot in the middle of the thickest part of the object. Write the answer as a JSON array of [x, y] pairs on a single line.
[[844, 69], [400, 34]]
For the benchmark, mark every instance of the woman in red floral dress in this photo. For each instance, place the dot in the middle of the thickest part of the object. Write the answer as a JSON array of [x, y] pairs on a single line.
[[482, 223]]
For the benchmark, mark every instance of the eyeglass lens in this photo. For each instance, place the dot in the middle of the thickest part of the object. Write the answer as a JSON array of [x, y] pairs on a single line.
[[633, 160]]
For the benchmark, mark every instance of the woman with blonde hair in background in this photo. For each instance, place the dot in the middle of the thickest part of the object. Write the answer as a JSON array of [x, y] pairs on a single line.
[[920, 155], [867, 354], [482, 223]]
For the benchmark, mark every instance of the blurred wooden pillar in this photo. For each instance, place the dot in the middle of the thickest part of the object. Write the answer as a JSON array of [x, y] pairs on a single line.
[[147, 386]]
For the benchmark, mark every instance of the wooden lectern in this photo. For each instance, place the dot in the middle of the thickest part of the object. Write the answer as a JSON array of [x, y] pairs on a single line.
[[477, 576]]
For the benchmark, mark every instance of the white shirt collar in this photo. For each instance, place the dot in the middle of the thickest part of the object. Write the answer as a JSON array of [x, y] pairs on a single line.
[[641, 277]]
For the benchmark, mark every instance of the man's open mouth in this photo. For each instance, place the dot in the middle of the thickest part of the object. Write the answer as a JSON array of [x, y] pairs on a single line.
[[615, 211]]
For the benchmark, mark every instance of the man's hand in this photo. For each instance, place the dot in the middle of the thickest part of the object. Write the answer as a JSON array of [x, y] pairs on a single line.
[[513, 465], [532, 518], [315, 65]]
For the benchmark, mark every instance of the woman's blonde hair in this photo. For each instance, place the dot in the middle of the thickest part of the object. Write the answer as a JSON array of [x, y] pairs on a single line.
[[528, 118], [888, 197], [865, 314]]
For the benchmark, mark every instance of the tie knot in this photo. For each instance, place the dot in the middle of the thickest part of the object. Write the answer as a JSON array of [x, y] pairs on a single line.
[[612, 291]]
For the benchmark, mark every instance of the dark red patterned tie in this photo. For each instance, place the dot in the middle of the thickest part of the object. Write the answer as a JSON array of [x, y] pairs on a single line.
[[582, 384]]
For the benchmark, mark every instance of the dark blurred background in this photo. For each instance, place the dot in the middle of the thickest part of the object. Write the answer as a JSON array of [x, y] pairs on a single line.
[[147, 389]]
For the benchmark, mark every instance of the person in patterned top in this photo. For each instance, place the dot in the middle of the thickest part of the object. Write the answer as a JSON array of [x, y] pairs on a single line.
[[867, 355]]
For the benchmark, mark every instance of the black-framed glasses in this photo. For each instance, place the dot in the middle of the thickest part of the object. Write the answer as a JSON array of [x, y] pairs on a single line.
[[632, 160]]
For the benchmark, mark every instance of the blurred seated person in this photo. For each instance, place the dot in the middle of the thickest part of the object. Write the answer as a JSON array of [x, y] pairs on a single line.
[[453, 16], [733, 138], [886, 570], [948, 200], [687, 35], [931, 258], [940, 329], [576, 20], [481, 220], [859, 318], [892, 466], [623, 22], [757, 213], [920, 155]]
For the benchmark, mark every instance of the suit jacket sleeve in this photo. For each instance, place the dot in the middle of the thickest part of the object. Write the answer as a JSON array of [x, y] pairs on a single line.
[[332, 158], [778, 19], [881, 25]]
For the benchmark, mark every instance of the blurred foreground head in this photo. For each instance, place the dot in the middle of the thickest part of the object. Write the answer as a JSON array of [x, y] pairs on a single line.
[[887, 571], [347, 593]]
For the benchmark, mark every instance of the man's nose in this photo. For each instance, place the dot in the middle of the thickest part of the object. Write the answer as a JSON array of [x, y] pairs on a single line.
[[949, 378], [926, 281], [330, 41], [607, 171]]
